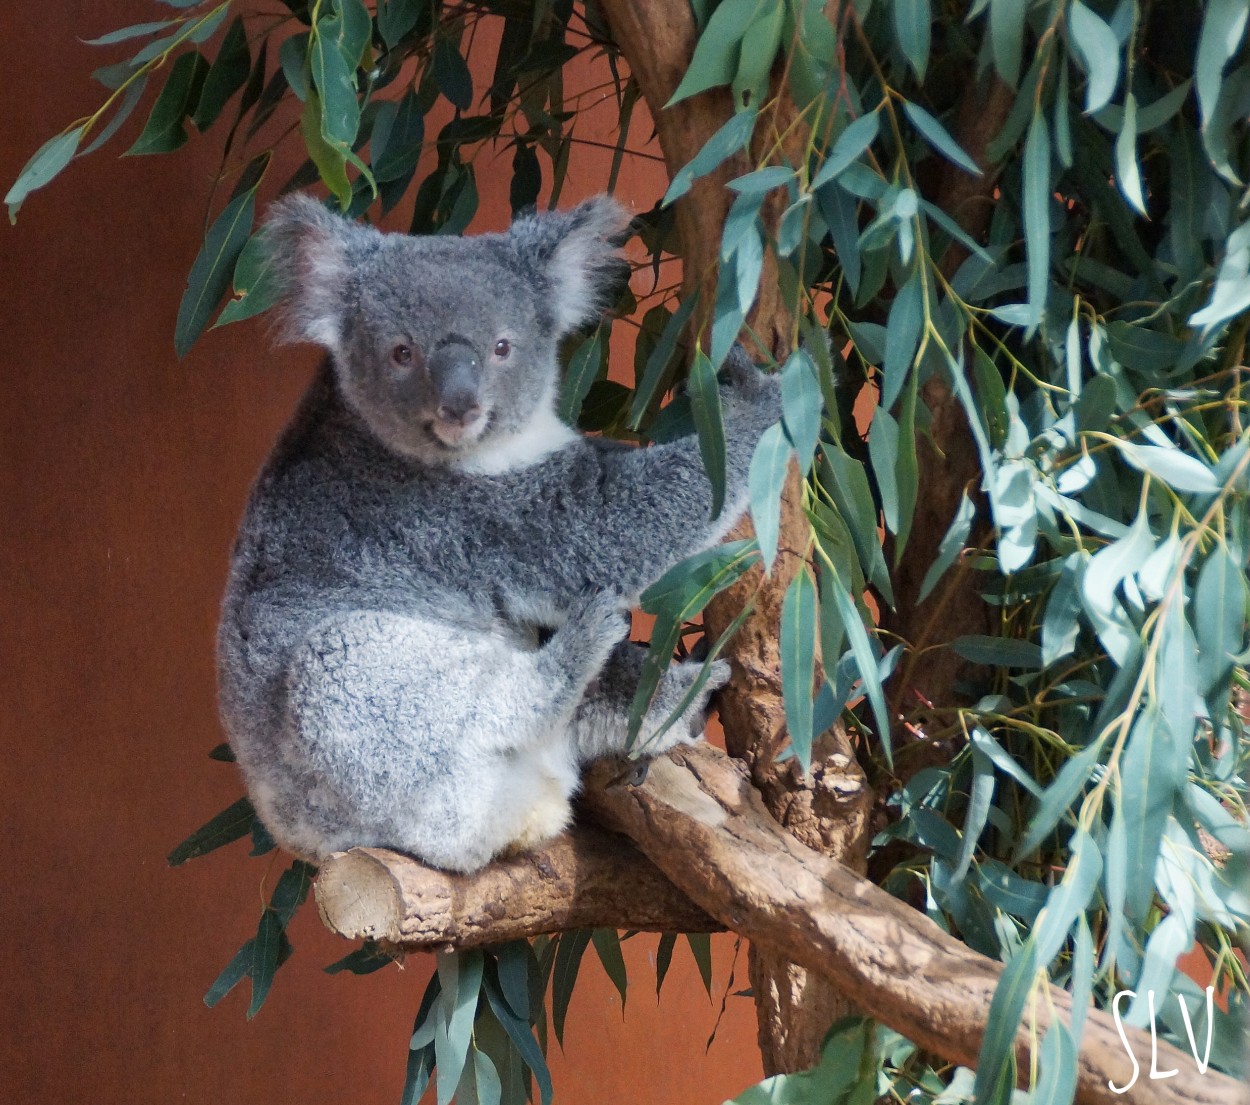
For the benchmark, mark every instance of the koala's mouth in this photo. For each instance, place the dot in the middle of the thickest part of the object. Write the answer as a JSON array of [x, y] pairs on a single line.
[[453, 436]]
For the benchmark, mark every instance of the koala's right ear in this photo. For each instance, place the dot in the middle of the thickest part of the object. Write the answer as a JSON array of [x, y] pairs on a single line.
[[313, 252]]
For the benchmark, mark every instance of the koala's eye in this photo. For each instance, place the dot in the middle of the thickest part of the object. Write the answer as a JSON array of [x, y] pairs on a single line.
[[502, 348], [402, 354]]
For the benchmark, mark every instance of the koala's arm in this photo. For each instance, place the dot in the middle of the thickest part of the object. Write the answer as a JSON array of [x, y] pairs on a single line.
[[629, 515]]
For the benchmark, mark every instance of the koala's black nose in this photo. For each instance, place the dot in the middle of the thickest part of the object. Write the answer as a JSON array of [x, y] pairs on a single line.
[[455, 372]]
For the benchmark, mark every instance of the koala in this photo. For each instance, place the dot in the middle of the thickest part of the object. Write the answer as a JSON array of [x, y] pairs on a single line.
[[423, 637]]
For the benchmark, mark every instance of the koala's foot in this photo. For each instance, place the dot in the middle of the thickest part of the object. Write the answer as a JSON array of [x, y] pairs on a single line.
[[674, 686]]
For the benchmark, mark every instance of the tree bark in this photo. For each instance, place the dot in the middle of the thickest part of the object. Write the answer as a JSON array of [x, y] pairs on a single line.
[[830, 809], [587, 879]]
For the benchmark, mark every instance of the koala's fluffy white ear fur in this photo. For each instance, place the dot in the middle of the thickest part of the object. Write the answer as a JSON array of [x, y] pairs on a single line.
[[310, 250], [578, 253]]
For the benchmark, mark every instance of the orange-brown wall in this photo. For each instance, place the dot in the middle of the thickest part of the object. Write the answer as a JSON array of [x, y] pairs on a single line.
[[122, 474]]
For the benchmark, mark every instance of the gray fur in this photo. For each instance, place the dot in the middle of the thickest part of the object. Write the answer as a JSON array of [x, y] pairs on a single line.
[[421, 640]]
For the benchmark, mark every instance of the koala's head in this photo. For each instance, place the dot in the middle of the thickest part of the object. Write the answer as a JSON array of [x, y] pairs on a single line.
[[445, 345]]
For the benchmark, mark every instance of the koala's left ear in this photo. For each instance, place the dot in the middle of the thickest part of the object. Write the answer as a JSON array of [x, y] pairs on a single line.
[[577, 253]]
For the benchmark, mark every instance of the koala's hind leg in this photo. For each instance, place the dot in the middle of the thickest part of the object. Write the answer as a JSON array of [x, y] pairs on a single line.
[[601, 724], [433, 739]]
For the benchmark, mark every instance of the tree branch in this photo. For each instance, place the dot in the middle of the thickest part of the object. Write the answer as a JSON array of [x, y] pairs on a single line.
[[706, 828], [587, 879], [698, 818]]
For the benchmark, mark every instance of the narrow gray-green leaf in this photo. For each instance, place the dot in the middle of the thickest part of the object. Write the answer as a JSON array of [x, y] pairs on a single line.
[[865, 659], [765, 480], [1057, 799], [709, 422], [951, 546], [939, 137], [1007, 22], [801, 405], [1223, 26], [1127, 171], [1098, 51], [912, 29], [852, 142], [1036, 201], [980, 796], [43, 165], [902, 337], [1006, 1012], [211, 271], [798, 658], [1149, 777]]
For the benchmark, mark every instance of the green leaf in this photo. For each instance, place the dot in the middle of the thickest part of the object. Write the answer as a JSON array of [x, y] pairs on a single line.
[[852, 142], [1057, 799], [801, 405], [164, 131], [461, 976], [396, 18], [293, 57], [232, 975], [138, 30], [996, 1065], [1061, 621], [756, 54], [766, 479], [939, 138], [1036, 201], [730, 139], [210, 274], [951, 546], [716, 54], [1127, 171], [1098, 51], [902, 337], [709, 423], [1007, 21], [701, 948], [521, 1034], [363, 961], [883, 452], [664, 958], [451, 74], [44, 164], [568, 960], [230, 825], [1219, 618], [912, 20], [1180, 471], [608, 946], [333, 76], [1223, 27], [1006, 652], [658, 361], [1069, 899], [256, 285], [330, 160], [265, 951], [980, 797], [798, 659], [865, 659], [292, 890], [130, 100], [1149, 777], [1057, 1057], [227, 74], [583, 370]]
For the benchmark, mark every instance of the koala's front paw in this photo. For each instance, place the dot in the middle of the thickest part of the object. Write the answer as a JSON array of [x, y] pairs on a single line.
[[596, 624], [677, 681]]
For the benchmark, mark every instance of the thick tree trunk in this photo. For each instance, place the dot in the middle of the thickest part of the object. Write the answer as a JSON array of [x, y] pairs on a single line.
[[829, 810]]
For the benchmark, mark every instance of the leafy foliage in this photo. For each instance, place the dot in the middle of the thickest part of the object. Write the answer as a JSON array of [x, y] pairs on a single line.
[[1090, 822]]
